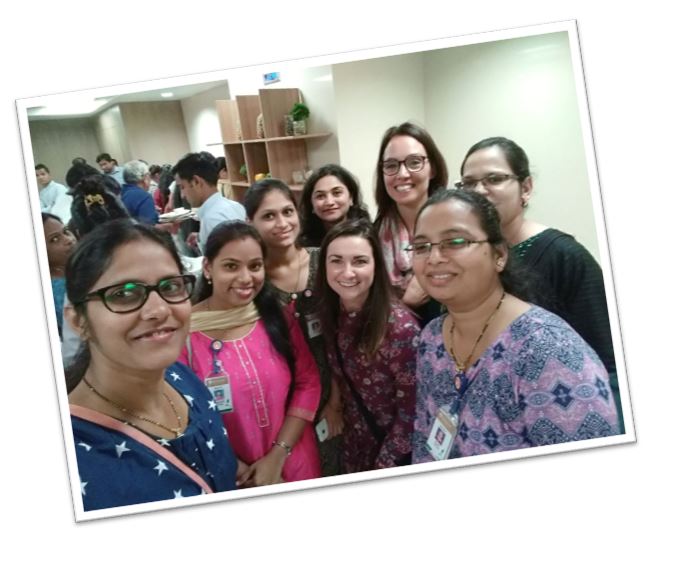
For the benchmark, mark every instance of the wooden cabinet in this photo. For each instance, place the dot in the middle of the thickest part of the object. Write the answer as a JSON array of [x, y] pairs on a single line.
[[275, 154]]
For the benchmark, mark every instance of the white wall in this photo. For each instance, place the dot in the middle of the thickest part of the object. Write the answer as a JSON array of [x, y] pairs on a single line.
[[111, 135], [522, 89], [371, 96], [202, 121]]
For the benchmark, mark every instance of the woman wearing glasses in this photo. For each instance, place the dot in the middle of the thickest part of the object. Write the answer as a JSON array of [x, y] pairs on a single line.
[[370, 339], [253, 357], [409, 169], [330, 196], [142, 429], [566, 278], [496, 373]]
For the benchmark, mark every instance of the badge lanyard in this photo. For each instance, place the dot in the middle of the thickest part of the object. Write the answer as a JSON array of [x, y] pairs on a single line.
[[218, 382]]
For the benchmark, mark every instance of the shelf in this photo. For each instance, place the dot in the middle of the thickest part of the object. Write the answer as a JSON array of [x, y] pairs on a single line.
[[284, 139]]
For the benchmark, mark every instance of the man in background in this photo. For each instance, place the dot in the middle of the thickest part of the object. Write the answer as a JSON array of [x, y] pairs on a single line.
[[197, 177], [110, 167], [135, 195], [53, 196]]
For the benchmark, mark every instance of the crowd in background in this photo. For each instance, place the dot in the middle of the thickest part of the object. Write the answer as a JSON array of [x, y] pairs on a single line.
[[287, 337]]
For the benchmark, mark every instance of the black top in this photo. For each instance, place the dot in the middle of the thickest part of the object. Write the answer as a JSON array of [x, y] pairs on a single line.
[[567, 280]]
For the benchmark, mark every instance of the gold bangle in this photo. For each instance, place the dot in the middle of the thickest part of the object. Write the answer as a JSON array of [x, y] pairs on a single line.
[[284, 445]]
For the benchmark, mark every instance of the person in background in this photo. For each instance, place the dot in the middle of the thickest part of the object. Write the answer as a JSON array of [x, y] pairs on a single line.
[[94, 205], [59, 242], [223, 184], [291, 270], [135, 195], [78, 160], [162, 191], [371, 341], [197, 177], [495, 373], [79, 171], [141, 431], [409, 169], [567, 279], [54, 197], [155, 172], [330, 195], [254, 358], [110, 167]]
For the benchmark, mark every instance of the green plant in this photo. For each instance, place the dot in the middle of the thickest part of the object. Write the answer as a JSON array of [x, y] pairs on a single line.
[[243, 170], [299, 112]]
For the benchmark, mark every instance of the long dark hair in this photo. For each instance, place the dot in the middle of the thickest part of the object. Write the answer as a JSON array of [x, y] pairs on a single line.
[[386, 205], [313, 229], [266, 301], [378, 306], [90, 259], [514, 277]]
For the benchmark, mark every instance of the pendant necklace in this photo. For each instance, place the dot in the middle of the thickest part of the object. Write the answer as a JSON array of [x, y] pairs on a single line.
[[177, 431], [460, 378]]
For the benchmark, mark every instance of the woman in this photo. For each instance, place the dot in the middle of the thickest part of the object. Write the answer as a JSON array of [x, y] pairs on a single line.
[[59, 242], [140, 432], [567, 279], [255, 360], [371, 346], [496, 373], [330, 196], [271, 208], [409, 169]]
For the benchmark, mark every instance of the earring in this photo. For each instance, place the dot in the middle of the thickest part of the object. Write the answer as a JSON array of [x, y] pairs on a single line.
[[209, 279]]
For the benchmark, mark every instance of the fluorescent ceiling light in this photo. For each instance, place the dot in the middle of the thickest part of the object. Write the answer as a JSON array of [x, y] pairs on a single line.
[[72, 105], [167, 94]]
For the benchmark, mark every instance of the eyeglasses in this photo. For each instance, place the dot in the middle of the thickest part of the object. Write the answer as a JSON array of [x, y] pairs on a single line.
[[490, 181], [131, 296], [413, 163], [451, 245]]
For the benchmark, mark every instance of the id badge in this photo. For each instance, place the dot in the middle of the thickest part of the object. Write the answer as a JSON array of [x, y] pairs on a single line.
[[313, 325], [322, 430], [442, 435], [220, 388]]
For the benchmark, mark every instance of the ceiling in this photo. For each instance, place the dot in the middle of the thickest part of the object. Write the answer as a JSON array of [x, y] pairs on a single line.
[[80, 105]]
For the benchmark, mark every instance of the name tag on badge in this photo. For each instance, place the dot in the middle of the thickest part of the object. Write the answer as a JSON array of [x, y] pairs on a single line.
[[442, 435], [313, 325], [220, 388]]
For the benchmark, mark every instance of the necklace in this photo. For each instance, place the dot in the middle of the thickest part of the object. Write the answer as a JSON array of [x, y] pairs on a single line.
[[461, 368], [293, 294], [178, 431]]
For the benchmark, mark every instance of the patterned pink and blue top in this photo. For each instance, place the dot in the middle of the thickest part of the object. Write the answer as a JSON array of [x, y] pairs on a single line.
[[386, 385], [262, 395], [538, 383]]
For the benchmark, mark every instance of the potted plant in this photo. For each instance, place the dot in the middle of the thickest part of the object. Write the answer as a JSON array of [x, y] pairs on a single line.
[[299, 113]]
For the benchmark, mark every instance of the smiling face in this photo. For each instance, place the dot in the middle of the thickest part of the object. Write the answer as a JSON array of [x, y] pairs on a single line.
[[409, 189], [510, 195], [277, 220], [350, 270], [59, 242], [331, 200], [457, 278], [148, 339], [237, 274]]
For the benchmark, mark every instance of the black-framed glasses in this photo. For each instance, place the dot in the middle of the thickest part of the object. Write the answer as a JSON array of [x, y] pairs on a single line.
[[492, 180], [451, 245], [130, 296], [413, 163]]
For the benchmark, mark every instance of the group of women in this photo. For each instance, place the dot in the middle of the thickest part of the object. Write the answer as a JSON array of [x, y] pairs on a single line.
[[318, 343]]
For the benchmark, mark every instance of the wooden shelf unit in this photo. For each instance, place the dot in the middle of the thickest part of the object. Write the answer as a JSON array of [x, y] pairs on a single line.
[[276, 153]]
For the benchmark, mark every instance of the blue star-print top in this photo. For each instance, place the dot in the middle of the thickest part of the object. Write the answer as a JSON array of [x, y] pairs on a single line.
[[117, 470]]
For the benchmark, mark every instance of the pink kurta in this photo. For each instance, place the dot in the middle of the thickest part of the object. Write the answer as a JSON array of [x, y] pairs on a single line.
[[260, 380]]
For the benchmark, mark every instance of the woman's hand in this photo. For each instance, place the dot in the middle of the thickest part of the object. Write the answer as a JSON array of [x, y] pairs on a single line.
[[242, 474], [414, 296], [265, 471], [332, 413]]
